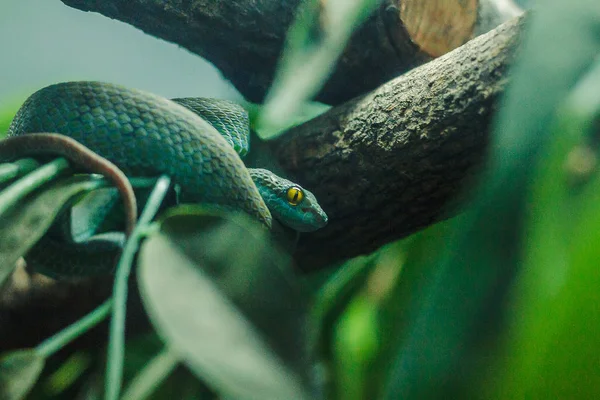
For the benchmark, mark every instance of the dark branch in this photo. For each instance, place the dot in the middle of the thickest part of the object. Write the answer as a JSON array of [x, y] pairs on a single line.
[[386, 164], [244, 38]]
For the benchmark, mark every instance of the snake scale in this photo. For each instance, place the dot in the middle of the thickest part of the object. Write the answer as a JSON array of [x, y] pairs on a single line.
[[197, 142]]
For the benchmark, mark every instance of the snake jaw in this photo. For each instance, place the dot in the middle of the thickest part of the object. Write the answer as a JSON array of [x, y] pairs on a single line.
[[318, 219]]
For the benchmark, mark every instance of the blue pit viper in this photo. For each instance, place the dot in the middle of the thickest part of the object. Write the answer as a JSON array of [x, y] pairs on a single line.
[[196, 141]]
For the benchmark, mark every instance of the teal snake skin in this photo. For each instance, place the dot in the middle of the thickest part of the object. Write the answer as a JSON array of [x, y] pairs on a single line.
[[197, 142], [229, 118]]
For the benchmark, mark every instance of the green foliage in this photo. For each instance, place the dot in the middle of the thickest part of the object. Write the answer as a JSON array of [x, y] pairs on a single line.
[[499, 302], [201, 305], [305, 112], [155, 371], [463, 296], [19, 370], [315, 41], [23, 226], [116, 349], [554, 353]]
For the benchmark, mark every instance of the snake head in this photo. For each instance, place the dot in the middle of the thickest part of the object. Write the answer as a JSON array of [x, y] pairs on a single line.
[[289, 203]]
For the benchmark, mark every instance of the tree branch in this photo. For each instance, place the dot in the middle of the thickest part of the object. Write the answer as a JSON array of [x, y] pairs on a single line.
[[386, 164], [244, 38]]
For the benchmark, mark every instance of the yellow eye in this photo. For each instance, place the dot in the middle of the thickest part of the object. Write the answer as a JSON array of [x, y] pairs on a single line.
[[294, 195]]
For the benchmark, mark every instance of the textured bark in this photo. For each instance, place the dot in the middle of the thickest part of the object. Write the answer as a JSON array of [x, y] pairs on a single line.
[[386, 164], [244, 38]]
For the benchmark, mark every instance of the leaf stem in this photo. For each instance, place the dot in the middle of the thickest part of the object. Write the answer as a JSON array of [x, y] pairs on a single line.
[[155, 371], [54, 343], [116, 345]]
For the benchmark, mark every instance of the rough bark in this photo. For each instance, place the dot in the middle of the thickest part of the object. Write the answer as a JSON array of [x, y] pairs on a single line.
[[244, 38], [386, 164]]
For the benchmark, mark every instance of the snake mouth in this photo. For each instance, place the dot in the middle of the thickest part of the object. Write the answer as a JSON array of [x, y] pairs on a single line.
[[319, 218]]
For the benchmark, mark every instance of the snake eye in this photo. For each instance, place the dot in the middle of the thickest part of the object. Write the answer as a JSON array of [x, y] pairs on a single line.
[[294, 195]]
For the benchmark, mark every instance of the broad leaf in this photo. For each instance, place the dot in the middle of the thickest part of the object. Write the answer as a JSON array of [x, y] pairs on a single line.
[[464, 293], [220, 295], [552, 346], [22, 226]]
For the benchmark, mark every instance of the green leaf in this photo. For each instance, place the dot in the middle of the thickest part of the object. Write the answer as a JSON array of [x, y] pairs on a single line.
[[551, 346], [305, 112], [356, 345], [116, 344], [151, 376], [314, 43], [463, 293], [146, 370], [16, 192], [367, 332], [19, 371], [334, 296], [67, 374], [21, 227], [218, 293], [9, 171]]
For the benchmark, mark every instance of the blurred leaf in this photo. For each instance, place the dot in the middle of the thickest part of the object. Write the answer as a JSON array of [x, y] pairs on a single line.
[[24, 225], [334, 296], [305, 112], [403, 268], [116, 342], [10, 171], [19, 371], [19, 189], [67, 374], [356, 344], [197, 276], [330, 302], [462, 302], [92, 388], [315, 41], [552, 349], [388, 282], [180, 383], [151, 376]]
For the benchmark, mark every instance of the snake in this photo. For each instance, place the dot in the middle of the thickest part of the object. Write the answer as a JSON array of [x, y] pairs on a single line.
[[124, 132]]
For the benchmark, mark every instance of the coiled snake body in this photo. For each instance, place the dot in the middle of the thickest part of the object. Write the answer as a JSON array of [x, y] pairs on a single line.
[[147, 135]]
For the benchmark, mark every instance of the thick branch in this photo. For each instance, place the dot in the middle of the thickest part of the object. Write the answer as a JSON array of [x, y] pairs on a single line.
[[386, 164], [244, 38]]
